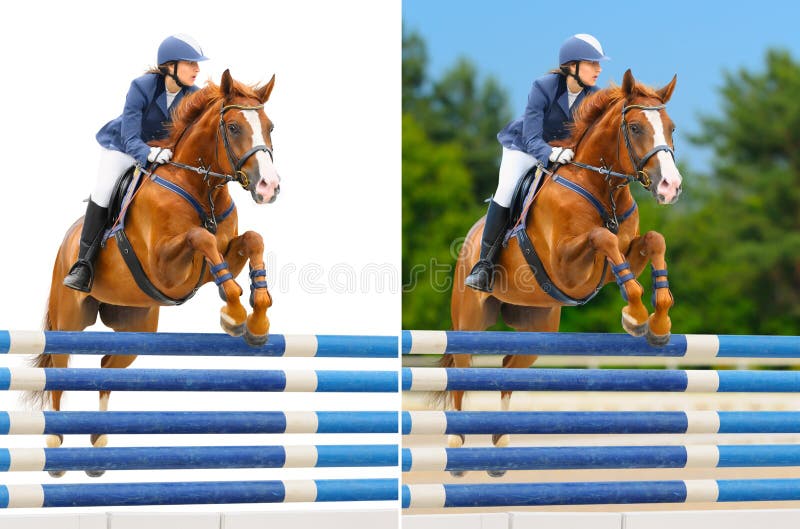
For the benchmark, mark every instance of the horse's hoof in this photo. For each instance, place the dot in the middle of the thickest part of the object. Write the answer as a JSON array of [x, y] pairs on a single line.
[[56, 473], [496, 473], [456, 441], [99, 440], [54, 440], [254, 340], [458, 473], [230, 327], [95, 473], [501, 440], [633, 328], [657, 340]]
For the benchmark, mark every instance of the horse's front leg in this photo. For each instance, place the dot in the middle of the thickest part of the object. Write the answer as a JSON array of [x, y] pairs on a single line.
[[584, 248], [233, 314], [652, 247], [249, 246]]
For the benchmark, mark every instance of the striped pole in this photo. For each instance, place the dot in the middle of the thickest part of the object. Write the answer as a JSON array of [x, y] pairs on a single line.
[[194, 344], [592, 422], [693, 346], [174, 457], [36, 379], [196, 422], [192, 493], [597, 493], [541, 379], [588, 457]]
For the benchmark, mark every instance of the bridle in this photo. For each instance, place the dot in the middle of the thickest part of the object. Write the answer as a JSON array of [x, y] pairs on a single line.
[[638, 164], [235, 161]]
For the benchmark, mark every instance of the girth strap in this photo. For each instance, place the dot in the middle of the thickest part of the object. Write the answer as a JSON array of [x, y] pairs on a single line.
[[539, 273], [139, 275]]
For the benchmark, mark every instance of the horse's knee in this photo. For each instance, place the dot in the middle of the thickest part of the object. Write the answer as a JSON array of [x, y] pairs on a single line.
[[655, 242], [602, 239]]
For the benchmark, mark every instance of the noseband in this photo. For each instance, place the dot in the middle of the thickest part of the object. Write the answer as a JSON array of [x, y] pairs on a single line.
[[639, 163], [237, 163]]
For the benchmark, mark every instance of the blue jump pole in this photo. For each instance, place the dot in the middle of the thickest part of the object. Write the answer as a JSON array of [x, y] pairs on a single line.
[[193, 493], [34, 379], [196, 422], [542, 379], [207, 457], [597, 344], [588, 457], [593, 422], [598, 493], [194, 344]]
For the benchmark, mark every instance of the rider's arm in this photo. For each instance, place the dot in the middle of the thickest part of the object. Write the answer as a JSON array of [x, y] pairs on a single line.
[[136, 103]]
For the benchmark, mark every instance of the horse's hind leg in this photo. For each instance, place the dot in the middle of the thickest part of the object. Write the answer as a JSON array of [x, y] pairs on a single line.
[[522, 319], [249, 246], [651, 246], [120, 319], [67, 310]]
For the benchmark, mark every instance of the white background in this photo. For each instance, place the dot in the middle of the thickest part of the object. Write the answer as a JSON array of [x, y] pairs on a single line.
[[332, 238]]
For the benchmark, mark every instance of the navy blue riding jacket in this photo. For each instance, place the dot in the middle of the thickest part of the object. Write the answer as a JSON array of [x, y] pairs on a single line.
[[144, 117], [547, 117]]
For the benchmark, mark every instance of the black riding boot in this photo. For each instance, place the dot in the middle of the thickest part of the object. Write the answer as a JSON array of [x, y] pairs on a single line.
[[482, 275], [81, 274]]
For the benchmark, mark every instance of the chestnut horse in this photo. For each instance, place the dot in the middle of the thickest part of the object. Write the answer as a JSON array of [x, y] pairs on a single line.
[[219, 134], [584, 227]]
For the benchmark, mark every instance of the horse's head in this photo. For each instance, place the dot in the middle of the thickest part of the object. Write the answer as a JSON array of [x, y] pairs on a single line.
[[245, 132], [646, 130]]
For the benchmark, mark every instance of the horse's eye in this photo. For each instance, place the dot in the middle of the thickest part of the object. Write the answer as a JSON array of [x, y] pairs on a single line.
[[271, 127], [233, 128], [634, 128]]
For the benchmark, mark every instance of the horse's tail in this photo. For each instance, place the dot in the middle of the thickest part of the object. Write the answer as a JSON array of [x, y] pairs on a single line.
[[41, 399]]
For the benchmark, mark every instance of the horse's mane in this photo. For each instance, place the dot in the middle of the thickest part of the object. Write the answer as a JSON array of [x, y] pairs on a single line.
[[595, 106], [194, 105]]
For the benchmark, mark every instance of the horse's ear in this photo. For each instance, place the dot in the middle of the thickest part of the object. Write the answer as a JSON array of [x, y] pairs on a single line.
[[665, 93], [264, 91], [226, 84], [628, 83]]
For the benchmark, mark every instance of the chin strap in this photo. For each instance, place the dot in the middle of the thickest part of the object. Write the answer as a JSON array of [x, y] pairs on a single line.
[[576, 75], [173, 74]]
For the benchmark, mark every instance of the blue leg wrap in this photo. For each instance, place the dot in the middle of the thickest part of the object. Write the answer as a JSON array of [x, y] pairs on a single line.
[[622, 279], [658, 283], [254, 284], [218, 280]]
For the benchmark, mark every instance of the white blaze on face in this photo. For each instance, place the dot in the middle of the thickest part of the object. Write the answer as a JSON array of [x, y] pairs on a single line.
[[670, 184], [268, 178]]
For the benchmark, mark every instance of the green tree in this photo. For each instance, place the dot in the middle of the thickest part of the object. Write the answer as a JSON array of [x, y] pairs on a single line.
[[739, 262]]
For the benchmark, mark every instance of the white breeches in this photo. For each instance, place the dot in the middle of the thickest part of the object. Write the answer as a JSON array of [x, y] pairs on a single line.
[[112, 165], [514, 165]]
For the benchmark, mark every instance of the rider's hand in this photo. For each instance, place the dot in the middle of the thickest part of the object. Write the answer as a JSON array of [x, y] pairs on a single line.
[[159, 155], [561, 155]]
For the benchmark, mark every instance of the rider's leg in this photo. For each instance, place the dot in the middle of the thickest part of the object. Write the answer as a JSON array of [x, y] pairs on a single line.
[[112, 164], [513, 167]]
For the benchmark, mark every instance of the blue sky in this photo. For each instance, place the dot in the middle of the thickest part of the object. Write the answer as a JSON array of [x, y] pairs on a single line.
[[516, 41]]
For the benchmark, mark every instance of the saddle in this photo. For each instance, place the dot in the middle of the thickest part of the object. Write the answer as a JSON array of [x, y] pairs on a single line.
[[519, 201], [127, 185]]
